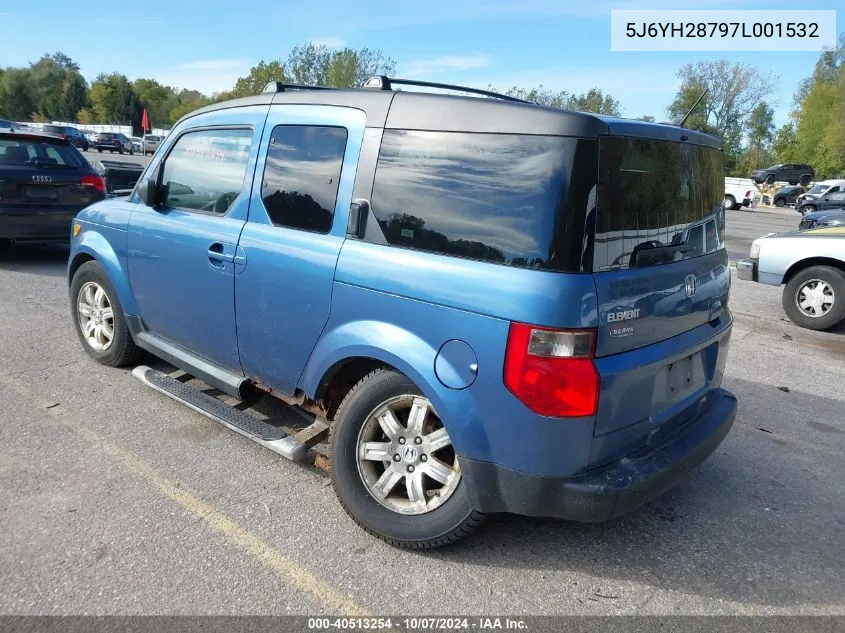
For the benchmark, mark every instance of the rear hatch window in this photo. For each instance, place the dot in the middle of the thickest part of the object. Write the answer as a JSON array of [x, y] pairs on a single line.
[[659, 260], [27, 152]]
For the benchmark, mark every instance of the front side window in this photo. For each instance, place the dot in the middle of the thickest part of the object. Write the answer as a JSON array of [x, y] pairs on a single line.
[[205, 170], [509, 199], [299, 188]]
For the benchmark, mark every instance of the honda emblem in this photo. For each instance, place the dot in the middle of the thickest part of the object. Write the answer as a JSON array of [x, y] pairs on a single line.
[[689, 285]]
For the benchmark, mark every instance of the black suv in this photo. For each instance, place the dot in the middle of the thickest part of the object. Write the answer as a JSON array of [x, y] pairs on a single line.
[[73, 135], [113, 142], [787, 195], [793, 173]]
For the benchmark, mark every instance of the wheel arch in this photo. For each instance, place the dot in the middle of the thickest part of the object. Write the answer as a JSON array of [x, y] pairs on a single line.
[[93, 246], [798, 266], [351, 350]]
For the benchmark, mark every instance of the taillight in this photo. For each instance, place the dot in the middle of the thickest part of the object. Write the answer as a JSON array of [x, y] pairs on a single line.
[[552, 371], [748, 193], [95, 181]]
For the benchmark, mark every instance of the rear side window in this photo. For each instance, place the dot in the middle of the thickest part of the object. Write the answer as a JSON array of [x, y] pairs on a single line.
[[30, 152], [205, 170], [509, 199], [301, 176]]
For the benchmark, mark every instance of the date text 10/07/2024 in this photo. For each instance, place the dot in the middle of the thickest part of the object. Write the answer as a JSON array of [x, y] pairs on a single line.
[[419, 623]]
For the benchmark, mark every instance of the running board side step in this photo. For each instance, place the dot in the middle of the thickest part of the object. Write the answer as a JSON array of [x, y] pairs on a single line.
[[293, 447]]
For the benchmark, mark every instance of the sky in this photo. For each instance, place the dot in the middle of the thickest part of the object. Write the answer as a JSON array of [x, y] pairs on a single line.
[[561, 44]]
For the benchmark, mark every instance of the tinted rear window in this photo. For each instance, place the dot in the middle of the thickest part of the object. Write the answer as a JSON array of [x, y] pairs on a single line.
[[36, 153], [509, 199], [658, 201], [52, 129]]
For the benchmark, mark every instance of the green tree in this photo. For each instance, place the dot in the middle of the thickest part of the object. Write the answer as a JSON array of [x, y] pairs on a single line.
[[760, 131], [783, 144], [16, 99], [113, 100], [734, 90], [259, 76], [315, 65], [593, 100], [156, 98], [186, 101], [74, 96], [820, 110]]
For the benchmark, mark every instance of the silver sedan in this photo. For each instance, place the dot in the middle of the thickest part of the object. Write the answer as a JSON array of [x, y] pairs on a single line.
[[811, 266]]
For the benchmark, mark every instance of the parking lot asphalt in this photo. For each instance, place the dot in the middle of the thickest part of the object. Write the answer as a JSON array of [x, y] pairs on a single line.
[[747, 224], [93, 155], [117, 500]]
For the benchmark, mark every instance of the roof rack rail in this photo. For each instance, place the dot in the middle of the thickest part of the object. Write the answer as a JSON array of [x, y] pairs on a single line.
[[278, 86], [381, 82]]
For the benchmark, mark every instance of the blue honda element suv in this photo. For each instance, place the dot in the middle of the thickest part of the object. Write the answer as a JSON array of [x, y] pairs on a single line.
[[484, 304]]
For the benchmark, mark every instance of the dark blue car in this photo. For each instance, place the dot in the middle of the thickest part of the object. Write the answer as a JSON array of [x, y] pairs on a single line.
[[494, 306]]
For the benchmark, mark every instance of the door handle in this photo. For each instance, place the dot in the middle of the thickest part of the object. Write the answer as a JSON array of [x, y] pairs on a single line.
[[215, 251]]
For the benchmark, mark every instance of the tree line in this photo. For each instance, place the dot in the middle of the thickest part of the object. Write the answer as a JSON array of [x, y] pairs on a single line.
[[736, 105]]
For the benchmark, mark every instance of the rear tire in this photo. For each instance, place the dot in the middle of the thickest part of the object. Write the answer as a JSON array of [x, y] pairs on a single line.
[[394, 518], [729, 202], [770, 179], [818, 290], [121, 349], [805, 180], [100, 150], [780, 203]]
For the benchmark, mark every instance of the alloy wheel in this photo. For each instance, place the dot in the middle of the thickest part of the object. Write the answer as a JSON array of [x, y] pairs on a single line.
[[405, 457], [96, 316]]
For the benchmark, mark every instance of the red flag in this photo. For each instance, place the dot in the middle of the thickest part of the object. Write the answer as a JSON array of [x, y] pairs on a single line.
[[145, 121]]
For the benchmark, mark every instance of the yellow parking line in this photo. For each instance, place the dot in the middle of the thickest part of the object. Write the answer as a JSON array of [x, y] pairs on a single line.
[[286, 569]]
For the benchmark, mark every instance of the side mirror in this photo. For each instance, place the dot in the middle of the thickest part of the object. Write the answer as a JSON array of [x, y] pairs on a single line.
[[358, 212], [148, 191]]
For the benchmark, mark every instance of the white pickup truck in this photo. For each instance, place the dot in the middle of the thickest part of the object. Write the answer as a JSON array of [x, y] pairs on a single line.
[[739, 192]]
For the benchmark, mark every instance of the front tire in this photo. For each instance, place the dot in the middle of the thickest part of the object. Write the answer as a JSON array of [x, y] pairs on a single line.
[[394, 469], [770, 179], [780, 203], [815, 298], [808, 208], [98, 317], [805, 180]]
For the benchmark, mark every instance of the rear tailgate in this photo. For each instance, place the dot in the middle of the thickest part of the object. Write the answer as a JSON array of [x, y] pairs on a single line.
[[662, 283], [41, 185]]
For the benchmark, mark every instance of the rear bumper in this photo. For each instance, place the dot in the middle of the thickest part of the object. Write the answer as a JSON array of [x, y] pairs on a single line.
[[36, 225], [611, 490], [746, 269]]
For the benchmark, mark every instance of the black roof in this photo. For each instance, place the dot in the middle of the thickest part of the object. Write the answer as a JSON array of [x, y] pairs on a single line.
[[452, 113]]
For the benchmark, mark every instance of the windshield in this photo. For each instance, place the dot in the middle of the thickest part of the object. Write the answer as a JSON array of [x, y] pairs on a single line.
[[819, 189], [658, 202]]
